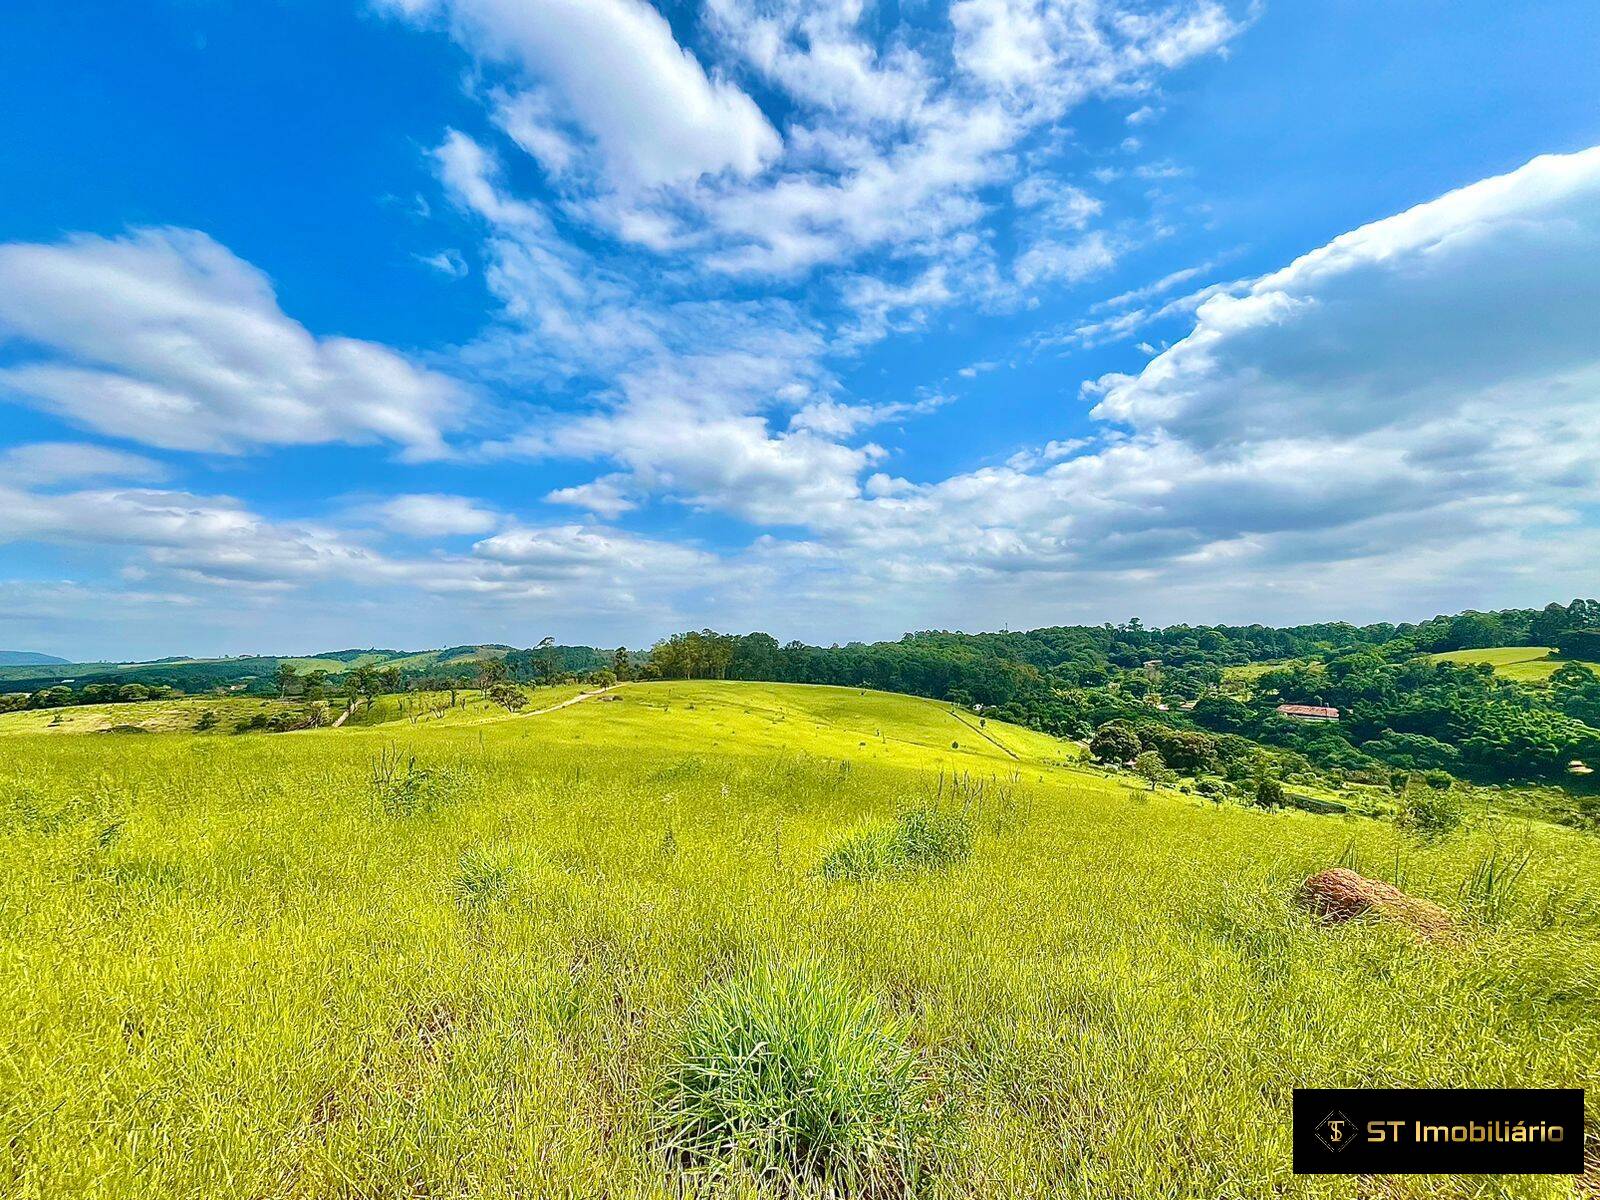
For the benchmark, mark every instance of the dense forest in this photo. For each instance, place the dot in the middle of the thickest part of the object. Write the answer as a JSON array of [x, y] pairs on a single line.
[[1400, 708]]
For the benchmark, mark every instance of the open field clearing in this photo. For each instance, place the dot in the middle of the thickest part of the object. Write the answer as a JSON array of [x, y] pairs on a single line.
[[500, 957], [1525, 664]]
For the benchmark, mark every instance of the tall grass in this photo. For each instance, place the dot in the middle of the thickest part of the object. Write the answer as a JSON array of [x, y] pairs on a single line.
[[785, 1074], [921, 838], [267, 983]]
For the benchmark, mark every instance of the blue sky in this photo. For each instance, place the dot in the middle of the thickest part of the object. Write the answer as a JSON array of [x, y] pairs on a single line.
[[414, 322]]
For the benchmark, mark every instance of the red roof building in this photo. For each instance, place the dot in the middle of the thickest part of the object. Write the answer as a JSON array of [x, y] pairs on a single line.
[[1308, 712]]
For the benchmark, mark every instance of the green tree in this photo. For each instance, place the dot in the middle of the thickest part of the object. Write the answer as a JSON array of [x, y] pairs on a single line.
[[507, 695], [1115, 742], [287, 679], [1150, 767], [1269, 792]]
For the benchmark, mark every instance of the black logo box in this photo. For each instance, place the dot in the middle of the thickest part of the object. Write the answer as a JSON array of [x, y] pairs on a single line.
[[1446, 1131]]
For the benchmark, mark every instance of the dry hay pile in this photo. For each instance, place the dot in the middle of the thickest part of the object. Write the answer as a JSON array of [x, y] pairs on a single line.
[[1340, 894]]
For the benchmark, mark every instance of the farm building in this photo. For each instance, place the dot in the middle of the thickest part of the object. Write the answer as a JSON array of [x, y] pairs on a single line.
[[1308, 712]]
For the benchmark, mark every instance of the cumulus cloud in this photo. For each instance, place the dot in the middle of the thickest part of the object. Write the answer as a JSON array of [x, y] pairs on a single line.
[[1478, 302], [1421, 388], [609, 496], [165, 337], [618, 73]]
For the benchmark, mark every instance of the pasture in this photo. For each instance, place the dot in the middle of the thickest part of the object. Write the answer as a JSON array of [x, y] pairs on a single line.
[[1525, 664], [533, 956]]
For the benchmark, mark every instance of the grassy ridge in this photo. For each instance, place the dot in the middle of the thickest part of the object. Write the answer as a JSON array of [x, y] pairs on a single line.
[[458, 958]]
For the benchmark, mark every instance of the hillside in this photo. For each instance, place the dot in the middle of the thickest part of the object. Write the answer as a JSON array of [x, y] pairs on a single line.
[[460, 957], [1525, 664], [27, 658]]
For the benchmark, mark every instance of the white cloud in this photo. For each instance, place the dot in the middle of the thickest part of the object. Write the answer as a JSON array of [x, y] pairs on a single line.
[[608, 497], [446, 262], [615, 67], [430, 515], [166, 338], [1406, 412], [1468, 304], [62, 462], [1051, 259]]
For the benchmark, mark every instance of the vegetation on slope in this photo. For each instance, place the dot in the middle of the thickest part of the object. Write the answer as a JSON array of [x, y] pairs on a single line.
[[235, 966]]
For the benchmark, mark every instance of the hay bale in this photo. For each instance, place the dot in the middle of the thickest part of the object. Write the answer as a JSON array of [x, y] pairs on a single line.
[[1340, 894]]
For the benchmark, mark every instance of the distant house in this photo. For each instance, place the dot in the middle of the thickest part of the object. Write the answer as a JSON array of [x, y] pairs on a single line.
[[1308, 712]]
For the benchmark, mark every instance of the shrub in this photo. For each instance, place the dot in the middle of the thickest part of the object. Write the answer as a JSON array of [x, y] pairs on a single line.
[[1269, 792], [787, 1074], [482, 877], [207, 721], [922, 838], [401, 786], [1430, 812]]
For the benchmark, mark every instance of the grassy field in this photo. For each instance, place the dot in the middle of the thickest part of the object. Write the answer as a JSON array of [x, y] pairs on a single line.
[[148, 716], [1525, 664], [490, 956]]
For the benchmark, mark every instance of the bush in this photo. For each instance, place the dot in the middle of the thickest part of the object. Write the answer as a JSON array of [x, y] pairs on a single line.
[[402, 787], [482, 877], [922, 838], [1430, 812], [1269, 792], [787, 1073]]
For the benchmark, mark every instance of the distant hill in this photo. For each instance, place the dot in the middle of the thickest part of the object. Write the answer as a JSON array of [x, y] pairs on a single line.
[[256, 673], [27, 658]]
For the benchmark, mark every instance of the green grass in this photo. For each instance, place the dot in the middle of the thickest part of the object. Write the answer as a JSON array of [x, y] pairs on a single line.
[[470, 707], [787, 1074], [239, 966], [924, 838], [149, 716], [1525, 664]]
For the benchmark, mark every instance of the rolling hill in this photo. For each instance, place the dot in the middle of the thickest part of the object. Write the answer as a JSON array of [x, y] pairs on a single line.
[[463, 956]]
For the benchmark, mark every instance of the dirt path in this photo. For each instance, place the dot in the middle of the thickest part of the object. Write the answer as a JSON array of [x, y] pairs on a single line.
[[986, 735], [578, 699]]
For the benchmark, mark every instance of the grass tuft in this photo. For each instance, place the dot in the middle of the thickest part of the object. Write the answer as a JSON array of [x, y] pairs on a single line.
[[788, 1075], [482, 878], [922, 838]]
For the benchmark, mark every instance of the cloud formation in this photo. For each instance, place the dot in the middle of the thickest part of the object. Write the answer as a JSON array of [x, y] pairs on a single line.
[[697, 236], [167, 338]]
